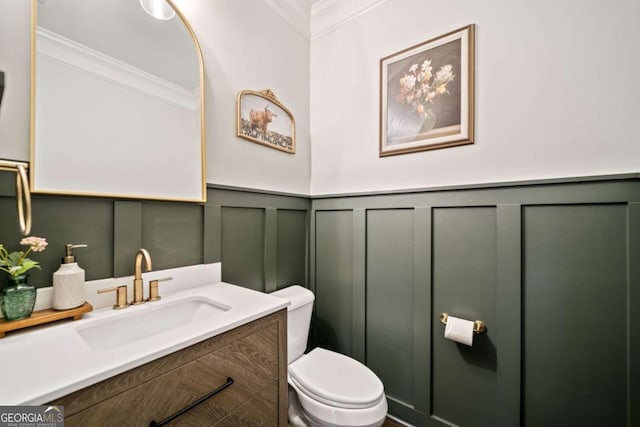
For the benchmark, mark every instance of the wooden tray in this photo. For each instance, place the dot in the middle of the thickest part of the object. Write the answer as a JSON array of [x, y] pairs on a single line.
[[44, 316]]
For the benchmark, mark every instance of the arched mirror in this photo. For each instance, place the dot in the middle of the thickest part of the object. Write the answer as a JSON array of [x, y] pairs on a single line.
[[117, 101]]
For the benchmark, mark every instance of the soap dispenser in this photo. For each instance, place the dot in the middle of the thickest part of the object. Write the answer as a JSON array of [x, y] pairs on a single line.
[[68, 281]]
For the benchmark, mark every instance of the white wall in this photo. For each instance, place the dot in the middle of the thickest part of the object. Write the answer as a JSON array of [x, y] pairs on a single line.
[[557, 93], [245, 44]]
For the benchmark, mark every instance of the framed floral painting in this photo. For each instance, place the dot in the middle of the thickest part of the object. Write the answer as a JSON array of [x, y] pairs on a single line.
[[426, 95]]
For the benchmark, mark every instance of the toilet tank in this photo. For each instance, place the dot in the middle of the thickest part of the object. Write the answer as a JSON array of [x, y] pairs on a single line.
[[298, 318]]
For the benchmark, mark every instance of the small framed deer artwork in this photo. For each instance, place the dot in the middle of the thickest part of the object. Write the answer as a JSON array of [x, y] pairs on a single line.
[[261, 118]]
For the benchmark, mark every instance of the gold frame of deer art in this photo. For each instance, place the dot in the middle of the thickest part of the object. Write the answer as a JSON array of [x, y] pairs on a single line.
[[262, 119], [427, 95]]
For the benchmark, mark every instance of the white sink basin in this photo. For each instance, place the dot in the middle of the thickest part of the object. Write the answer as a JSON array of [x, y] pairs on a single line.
[[146, 321]]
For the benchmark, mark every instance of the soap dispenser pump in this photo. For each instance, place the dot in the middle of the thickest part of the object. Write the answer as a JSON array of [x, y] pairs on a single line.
[[68, 281]]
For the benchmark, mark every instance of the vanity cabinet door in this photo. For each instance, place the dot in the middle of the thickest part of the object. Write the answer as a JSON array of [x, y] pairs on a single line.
[[255, 359], [164, 396], [252, 362], [260, 411]]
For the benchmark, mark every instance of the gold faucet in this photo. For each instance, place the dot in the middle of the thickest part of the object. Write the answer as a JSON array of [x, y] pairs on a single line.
[[138, 296]]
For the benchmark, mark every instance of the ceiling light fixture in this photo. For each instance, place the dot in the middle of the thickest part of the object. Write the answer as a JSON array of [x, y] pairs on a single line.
[[159, 9]]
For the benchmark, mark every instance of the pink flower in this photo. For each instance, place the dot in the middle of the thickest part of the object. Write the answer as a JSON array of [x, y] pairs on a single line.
[[419, 88], [38, 244], [16, 263]]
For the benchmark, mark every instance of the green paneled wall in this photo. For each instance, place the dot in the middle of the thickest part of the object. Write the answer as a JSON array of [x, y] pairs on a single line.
[[174, 232], [575, 314], [260, 237], [390, 248], [334, 306], [291, 248], [64, 220], [551, 268], [243, 237], [464, 285]]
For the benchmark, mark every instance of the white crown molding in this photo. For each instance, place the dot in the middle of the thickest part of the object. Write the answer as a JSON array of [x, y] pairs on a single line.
[[327, 15], [67, 52], [295, 12], [313, 18]]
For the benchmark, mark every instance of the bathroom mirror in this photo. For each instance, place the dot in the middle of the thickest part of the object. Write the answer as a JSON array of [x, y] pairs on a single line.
[[116, 101]]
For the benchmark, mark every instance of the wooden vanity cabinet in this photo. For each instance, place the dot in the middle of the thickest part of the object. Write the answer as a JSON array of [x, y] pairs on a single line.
[[253, 357]]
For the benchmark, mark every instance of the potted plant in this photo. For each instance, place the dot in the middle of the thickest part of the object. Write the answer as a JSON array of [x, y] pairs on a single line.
[[18, 297]]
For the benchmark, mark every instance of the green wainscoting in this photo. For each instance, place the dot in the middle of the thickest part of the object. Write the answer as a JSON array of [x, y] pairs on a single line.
[[464, 285], [577, 288], [389, 272], [552, 268], [243, 241], [335, 305], [261, 238]]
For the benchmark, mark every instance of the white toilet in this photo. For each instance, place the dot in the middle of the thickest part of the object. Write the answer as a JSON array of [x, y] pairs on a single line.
[[326, 389]]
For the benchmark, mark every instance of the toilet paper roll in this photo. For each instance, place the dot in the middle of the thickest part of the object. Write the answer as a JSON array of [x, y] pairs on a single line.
[[459, 330]]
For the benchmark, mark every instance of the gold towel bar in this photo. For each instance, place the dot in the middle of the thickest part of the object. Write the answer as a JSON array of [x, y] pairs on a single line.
[[478, 326], [23, 195]]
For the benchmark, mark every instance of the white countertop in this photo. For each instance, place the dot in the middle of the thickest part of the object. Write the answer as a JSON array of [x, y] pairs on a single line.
[[48, 362]]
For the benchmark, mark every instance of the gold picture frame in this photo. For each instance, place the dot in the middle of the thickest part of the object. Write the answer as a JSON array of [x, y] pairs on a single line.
[[262, 119], [427, 95]]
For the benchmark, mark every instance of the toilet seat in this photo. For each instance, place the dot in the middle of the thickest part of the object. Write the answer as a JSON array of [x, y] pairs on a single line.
[[336, 380]]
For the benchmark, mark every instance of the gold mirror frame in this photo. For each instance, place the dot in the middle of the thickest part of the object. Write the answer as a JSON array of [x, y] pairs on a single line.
[[32, 118]]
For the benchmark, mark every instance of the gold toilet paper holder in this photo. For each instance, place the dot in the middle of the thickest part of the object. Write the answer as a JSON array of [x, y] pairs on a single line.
[[478, 326]]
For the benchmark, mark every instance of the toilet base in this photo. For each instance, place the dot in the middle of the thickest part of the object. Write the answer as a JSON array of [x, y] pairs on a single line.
[[299, 418]]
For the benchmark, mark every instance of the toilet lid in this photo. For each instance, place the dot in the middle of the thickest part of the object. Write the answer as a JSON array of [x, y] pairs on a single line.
[[336, 379]]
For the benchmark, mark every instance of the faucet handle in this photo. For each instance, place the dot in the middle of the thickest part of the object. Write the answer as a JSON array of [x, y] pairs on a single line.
[[154, 295], [121, 296]]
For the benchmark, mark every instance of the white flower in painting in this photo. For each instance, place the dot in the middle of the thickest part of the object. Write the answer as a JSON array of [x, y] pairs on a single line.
[[445, 73], [425, 75], [419, 88], [408, 81]]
